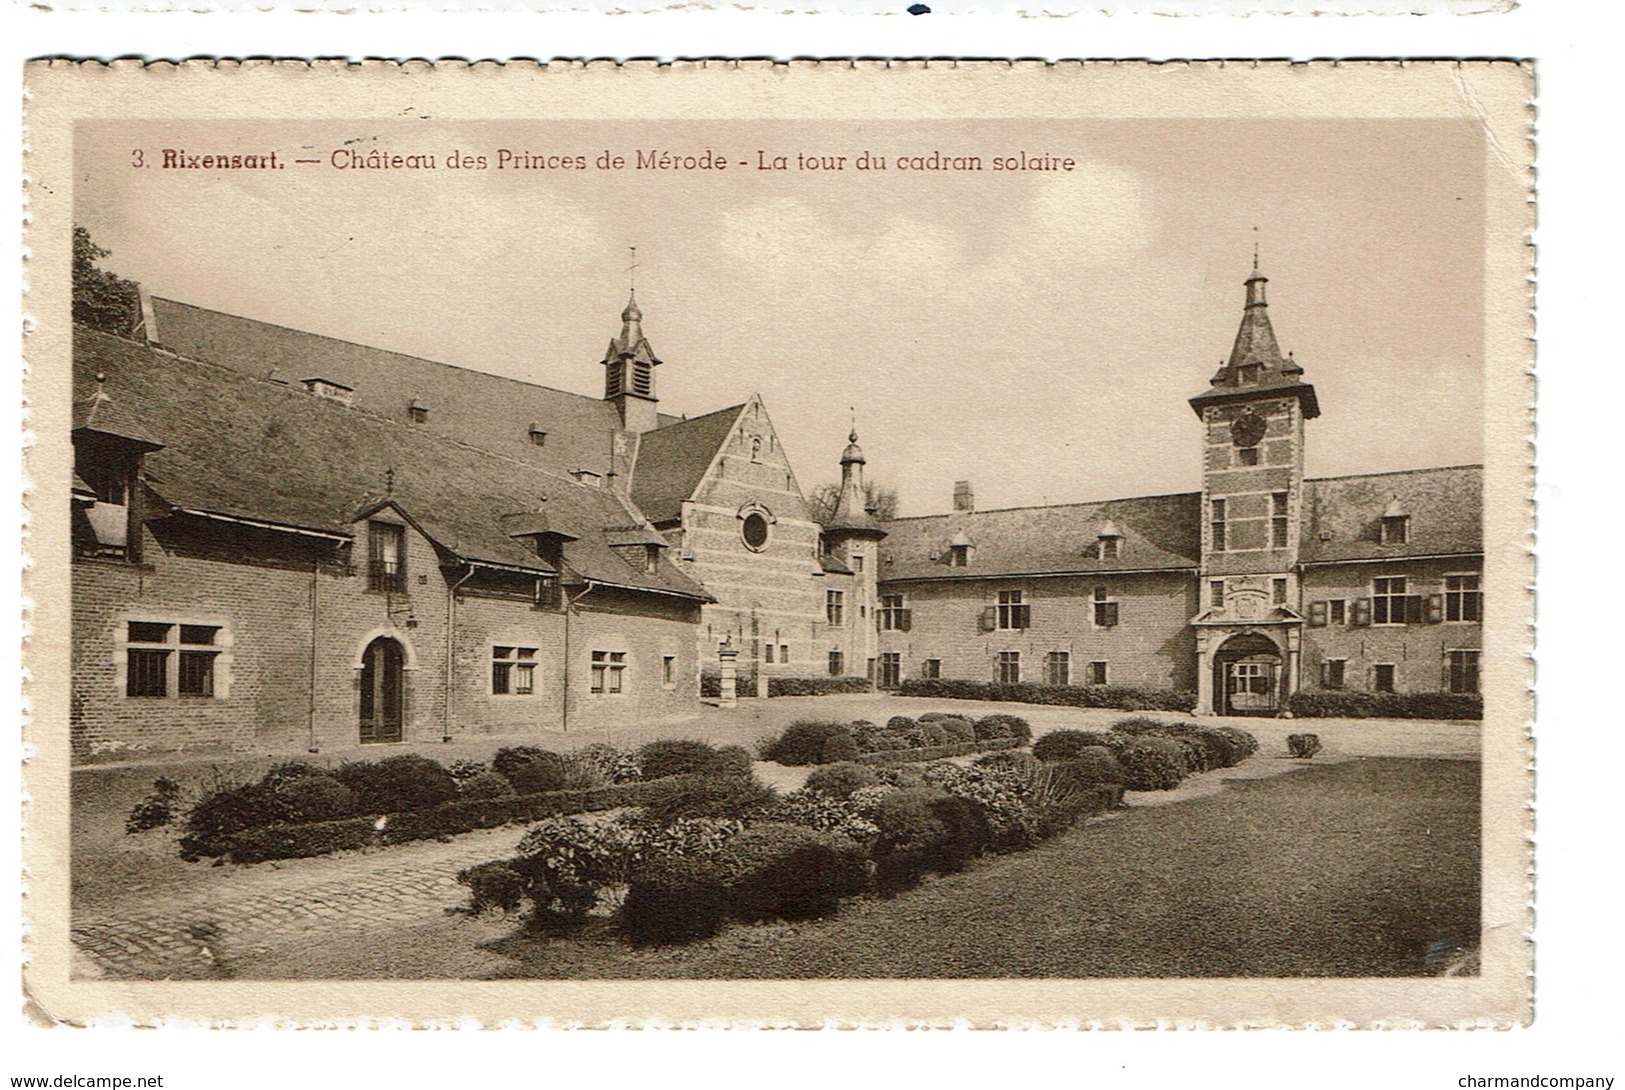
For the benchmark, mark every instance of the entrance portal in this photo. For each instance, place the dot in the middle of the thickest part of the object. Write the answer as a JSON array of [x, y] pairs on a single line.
[[382, 695], [1247, 676]]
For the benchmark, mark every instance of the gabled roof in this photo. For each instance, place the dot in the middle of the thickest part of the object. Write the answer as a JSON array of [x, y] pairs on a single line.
[[1342, 516], [246, 447], [1158, 532], [474, 407], [672, 461]]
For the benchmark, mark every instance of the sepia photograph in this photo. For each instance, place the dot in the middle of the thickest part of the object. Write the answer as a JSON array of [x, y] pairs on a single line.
[[1058, 529]]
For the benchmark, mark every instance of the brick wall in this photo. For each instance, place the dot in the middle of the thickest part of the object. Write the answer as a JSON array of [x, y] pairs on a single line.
[[1152, 645], [646, 631]]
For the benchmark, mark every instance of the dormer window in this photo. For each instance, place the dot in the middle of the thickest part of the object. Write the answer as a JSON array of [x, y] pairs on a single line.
[[1248, 374], [1108, 542], [588, 477], [330, 389], [651, 557], [1396, 525], [418, 411], [958, 556], [538, 435], [386, 557]]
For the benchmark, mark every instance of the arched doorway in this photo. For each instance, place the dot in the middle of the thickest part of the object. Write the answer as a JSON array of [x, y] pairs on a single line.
[[383, 696], [1247, 676]]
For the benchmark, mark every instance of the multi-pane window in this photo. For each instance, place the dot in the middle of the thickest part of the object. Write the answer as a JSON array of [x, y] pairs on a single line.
[[835, 606], [513, 671], [893, 616], [1337, 611], [1009, 667], [163, 658], [891, 670], [1215, 593], [1382, 677], [1216, 521], [837, 664], [1462, 671], [1105, 609], [1332, 673], [386, 552], [1058, 668], [931, 668], [1278, 520], [1463, 600], [608, 670], [1014, 612], [1278, 591], [1097, 673], [1390, 599]]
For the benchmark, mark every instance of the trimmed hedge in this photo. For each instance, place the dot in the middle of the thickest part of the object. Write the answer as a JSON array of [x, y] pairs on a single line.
[[1343, 704], [1153, 763], [1122, 697], [300, 841], [789, 871], [936, 753], [816, 686], [674, 899]]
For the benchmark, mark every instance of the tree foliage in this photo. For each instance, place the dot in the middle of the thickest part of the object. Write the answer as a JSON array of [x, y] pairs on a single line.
[[101, 299], [876, 497]]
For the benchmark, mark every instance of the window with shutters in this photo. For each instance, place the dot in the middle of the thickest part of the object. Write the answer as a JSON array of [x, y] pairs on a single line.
[[608, 672], [1105, 609], [1391, 601], [1009, 667], [386, 552], [837, 664], [1014, 612], [513, 671], [1058, 668], [834, 606], [1332, 673], [1463, 600], [1278, 520], [1097, 673], [1382, 677], [892, 614], [1216, 521], [162, 658], [1461, 671], [931, 668]]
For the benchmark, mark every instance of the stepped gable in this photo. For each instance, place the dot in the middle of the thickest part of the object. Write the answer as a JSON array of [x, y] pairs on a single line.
[[471, 406], [242, 446], [1343, 515], [673, 460], [1159, 533]]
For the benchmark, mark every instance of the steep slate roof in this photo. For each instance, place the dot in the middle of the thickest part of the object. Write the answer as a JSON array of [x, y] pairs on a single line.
[[1256, 347], [1445, 505], [487, 410], [242, 446], [672, 461], [1160, 532]]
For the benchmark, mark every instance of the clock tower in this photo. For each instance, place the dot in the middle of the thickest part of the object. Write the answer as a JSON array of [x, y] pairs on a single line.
[[1253, 416]]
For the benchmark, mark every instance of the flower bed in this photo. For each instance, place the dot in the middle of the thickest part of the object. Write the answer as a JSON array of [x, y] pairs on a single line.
[[930, 737], [1119, 697], [937, 753]]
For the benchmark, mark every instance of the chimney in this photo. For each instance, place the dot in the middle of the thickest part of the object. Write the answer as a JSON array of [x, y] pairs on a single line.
[[964, 498]]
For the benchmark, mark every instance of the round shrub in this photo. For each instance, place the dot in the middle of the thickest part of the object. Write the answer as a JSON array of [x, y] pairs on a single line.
[[316, 798], [1153, 764], [901, 723], [838, 747], [616, 765], [486, 785], [839, 780], [935, 735], [732, 761], [959, 729], [908, 822], [1094, 764], [463, 769], [533, 771], [789, 871], [157, 808], [1063, 745], [1022, 764], [1242, 743], [674, 900], [802, 742], [676, 757], [397, 784], [223, 813], [1001, 725], [710, 796], [905, 775], [493, 887]]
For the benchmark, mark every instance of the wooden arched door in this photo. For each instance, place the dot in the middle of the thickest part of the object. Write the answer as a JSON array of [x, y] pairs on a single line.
[[383, 696]]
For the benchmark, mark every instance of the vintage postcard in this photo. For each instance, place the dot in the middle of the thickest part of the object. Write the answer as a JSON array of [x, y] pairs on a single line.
[[751, 543]]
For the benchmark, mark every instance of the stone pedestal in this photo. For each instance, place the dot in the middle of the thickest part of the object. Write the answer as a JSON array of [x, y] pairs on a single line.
[[728, 656]]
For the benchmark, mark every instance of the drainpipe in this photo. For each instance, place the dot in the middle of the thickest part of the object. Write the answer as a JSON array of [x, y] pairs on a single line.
[[451, 652], [569, 608], [315, 573]]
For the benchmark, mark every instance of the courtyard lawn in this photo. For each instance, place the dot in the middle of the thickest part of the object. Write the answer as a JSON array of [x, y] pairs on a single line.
[[1365, 868]]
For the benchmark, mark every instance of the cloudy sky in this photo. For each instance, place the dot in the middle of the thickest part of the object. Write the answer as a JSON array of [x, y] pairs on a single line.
[[1035, 332]]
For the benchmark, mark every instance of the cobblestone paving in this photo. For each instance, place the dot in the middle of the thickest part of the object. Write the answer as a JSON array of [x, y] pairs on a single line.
[[199, 934]]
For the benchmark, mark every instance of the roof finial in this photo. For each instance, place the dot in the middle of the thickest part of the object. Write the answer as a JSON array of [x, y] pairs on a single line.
[[1255, 249], [389, 481], [853, 438], [632, 271]]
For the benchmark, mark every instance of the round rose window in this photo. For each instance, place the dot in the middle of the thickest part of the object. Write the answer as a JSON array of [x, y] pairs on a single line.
[[755, 531]]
